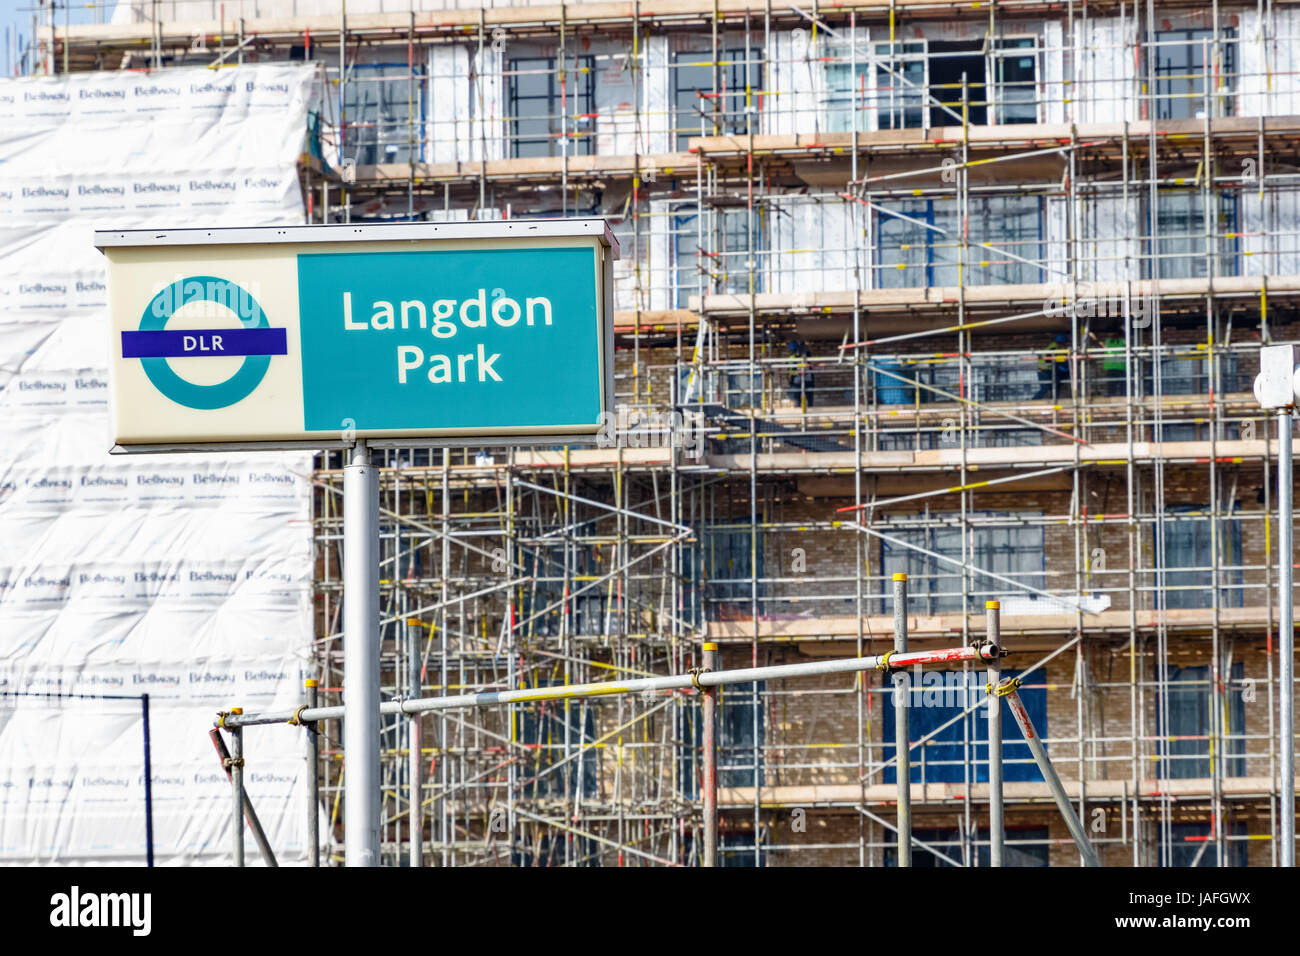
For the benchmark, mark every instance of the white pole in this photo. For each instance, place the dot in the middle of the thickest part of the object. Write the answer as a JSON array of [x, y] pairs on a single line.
[[361, 659], [902, 735], [1286, 633], [495, 698]]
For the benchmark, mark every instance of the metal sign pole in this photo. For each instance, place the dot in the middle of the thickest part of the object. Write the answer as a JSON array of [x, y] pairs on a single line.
[[1286, 634], [361, 659]]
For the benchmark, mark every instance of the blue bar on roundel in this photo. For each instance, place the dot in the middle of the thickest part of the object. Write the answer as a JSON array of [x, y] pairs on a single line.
[[192, 343]]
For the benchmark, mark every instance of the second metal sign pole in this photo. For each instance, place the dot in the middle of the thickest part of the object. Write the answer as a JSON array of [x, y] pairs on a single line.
[[361, 659]]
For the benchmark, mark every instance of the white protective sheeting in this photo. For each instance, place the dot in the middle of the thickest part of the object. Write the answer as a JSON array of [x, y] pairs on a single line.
[[1269, 63], [184, 577], [813, 244], [1106, 77]]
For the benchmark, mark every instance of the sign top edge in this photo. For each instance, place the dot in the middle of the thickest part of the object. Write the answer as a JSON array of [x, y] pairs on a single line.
[[345, 232]]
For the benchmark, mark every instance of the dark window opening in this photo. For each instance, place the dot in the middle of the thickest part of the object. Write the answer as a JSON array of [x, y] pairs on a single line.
[[949, 60], [1021, 846], [1189, 704]]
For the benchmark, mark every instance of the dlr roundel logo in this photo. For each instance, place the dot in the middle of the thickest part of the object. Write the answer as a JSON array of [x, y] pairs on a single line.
[[255, 341]]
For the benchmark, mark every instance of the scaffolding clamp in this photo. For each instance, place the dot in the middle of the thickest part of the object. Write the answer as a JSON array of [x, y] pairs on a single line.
[[296, 719], [884, 664], [221, 719], [228, 762], [1006, 686], [695, 673]]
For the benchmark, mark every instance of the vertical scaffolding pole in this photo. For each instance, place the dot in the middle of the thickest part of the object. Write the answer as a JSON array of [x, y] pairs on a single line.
[[415, 742], [237, 789], [313, 780], [1286, 635], [902, 702], [1007, 689], [361, 659], [709, 715], [993, 632]]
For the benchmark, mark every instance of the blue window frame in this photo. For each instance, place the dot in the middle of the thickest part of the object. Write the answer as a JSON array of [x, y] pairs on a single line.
[[735, 740], [726, 264], [736, 848], [1181, 244], [939, 698], [1189, 717], [1191, 844], [916, 242], [934, 586], [1188, 544], [541, 731]]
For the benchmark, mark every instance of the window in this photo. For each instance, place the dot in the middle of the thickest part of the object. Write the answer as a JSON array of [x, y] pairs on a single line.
[[696, 112], [539, 105], [916, 242], [941, 696], [1192, 844], [730, 247], [385, 113], [1181, 243], [1015, 63], [950, 61], [735, 740], [986, 437], [1021, 846], [1180, 68], [990, 380], [1189, 374], [1189, 717], [541, 731], [909, 73], [934, 587], [717, 574], [844, 87], [586, 611], [901, 85], [1188, 544], [741, 735], [737, 849]]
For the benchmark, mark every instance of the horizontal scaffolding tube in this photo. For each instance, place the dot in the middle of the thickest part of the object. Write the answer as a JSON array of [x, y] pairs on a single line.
[[890, 661]]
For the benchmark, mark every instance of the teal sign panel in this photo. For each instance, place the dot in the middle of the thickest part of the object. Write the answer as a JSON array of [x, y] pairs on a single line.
[[458, 340]]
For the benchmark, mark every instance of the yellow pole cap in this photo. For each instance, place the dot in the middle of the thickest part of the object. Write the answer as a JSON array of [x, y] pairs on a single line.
[[236, 710], [710, 646], [311, 682], [900, 575], [992, 605]]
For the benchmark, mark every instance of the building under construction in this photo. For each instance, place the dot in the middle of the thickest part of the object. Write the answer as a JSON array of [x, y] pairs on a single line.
[[973, 292]]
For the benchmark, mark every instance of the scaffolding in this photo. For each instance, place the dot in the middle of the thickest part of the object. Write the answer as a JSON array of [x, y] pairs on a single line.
[[971, 294]]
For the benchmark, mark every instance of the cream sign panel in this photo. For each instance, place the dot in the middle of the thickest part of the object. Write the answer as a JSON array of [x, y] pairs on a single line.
[[327, 333]]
